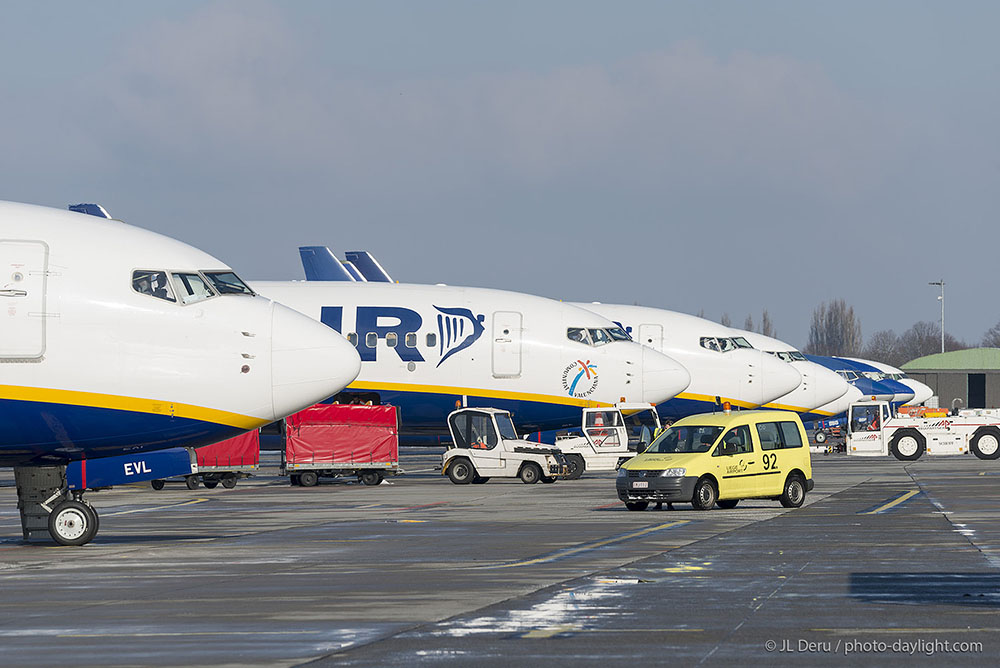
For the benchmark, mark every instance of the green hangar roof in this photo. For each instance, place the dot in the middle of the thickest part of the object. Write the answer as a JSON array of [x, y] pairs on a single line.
[[973, 359]]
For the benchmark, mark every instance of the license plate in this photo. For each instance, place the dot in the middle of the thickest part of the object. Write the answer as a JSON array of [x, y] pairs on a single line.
[[642, 484]]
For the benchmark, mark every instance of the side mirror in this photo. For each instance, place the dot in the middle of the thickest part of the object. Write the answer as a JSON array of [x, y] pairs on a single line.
[[728, 449]]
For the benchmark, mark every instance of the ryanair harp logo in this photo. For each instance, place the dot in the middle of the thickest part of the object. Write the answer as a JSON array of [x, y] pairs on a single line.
[[458, 329]]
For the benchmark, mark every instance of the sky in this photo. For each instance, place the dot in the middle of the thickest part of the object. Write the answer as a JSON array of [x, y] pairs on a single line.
[[715, 157]]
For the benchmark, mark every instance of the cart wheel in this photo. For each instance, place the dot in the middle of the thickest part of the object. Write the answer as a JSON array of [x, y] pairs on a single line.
[[156, 484], [229, 480], [72, 523], [211, 484], [577, 465], [191, 481], [820, 437], [461, 472], [308, 479], [370, 478]]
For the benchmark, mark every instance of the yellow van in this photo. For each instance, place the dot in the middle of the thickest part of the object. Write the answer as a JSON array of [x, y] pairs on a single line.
[[720, 458]]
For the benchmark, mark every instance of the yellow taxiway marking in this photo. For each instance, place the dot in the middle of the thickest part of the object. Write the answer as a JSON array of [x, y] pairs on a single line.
[[588, 546], [143, 510], [895, 502], [551, 631]]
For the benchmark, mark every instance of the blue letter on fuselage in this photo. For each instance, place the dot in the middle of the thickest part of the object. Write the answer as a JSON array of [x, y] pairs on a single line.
[[367, 321]]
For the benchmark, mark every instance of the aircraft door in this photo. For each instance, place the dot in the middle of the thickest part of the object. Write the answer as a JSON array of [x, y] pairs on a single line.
[[506, 344], [651, 335], [23, 267]]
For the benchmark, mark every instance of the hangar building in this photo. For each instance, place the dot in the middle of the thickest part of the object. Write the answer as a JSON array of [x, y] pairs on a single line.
[[971, 375]]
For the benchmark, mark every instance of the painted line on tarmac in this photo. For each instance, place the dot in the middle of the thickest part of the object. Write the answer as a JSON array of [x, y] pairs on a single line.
[[427, 505], [553, 631], [891, 503], [143, 510], [168, 634], [586, 547]]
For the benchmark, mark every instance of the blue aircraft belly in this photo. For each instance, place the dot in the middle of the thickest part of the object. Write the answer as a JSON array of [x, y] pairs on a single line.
[[32, 430]]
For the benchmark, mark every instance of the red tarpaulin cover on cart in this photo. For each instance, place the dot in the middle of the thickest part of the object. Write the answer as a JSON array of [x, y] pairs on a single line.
[[237, 452], [342, 434]]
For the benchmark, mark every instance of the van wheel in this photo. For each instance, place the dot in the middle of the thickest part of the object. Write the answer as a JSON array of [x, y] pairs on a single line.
[[530, 473], [637, 505], [728, 504], [577, 465], [907, 445], [985, 443], [795, 492], [461, 471], [705, 495], [308, 479]]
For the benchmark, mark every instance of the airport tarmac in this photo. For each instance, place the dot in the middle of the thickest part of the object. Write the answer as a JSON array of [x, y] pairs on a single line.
[[888, 563]]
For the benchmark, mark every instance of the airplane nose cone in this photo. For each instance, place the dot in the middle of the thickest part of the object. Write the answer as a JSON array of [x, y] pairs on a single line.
[[309, 361], [838, 406], [779, 378], [921, 392], [663, 377], [827, 385]]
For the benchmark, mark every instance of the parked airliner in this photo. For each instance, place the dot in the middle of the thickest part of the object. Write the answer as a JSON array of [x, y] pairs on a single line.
[[921, 391], [429, 349], [118, 340]]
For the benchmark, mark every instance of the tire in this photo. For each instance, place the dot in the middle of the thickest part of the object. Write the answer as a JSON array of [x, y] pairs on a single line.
[[820, 437], [728, 504], [294, 480], [480, 480], [548, 479], [530, 473], [461, 471], [705, 495], [308, 479], [794, 493], [156, 484], [229, 480], [577, 466], [985, 443], [191, 481], [72, 523], [211, 484], [370, 478], [637, 505], [907, 445]]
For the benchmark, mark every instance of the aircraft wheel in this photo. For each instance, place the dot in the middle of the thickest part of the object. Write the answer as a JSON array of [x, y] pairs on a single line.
[[73, 523], [156, 484], [191, 481], [577, 465], [461, 471], [907, 445], [795, 492], [229, 480], [705, 495], [308, 479], [530, 473], [985, 443], [211, 484], [370, 478], [728, 504], [637, 505]]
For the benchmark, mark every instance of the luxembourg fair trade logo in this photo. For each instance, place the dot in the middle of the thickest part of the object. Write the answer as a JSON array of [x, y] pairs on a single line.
[[580, 379]]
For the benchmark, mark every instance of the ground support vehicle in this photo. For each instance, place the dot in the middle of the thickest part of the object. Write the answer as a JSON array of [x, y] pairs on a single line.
[[224, 462], [485, 445], [609, 437], [872, 430], [341, 440], [721, 458]]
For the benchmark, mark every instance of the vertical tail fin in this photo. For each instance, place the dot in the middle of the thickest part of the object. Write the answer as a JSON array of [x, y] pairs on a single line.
[[320, 264]]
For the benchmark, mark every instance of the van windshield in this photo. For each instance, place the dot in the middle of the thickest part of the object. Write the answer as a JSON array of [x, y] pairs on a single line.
[[688, 438]]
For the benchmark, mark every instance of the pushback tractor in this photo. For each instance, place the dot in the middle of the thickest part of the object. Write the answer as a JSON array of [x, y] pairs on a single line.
[[872, 430]]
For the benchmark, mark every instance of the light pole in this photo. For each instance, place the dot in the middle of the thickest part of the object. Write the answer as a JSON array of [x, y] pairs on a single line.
[[941, 299]]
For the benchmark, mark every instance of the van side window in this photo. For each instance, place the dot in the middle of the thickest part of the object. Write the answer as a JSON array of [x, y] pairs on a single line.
[[770, 436], [739, 437], [791, 436]]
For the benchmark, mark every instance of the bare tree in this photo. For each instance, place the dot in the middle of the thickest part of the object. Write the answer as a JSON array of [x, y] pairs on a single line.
[[835, 331], [991, 339], [701, 313], [884, 346], [766, 326], [748, 324], [725, 321], [924, 338]]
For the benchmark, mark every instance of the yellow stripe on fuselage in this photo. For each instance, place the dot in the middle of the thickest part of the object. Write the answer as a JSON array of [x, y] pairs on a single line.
[[691, 396], [134, 404], [477, 392], [795, 409]]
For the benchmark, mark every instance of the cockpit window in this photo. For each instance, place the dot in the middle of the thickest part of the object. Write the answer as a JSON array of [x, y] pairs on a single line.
[[783, 356], [228, 283], [154, 283], [873, 375], [599, 337], [711, 343], [797, 356], [741, 342], [619, 334], [578, 334], [848, 375], [192, 288]]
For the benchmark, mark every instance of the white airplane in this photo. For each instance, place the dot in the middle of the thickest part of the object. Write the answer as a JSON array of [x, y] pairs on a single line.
[[921, 391], [724, 366], [116, 340], [820, 386], [431, 349]]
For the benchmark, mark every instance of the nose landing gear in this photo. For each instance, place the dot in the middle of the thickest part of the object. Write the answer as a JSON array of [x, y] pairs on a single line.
[[47, 505]]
